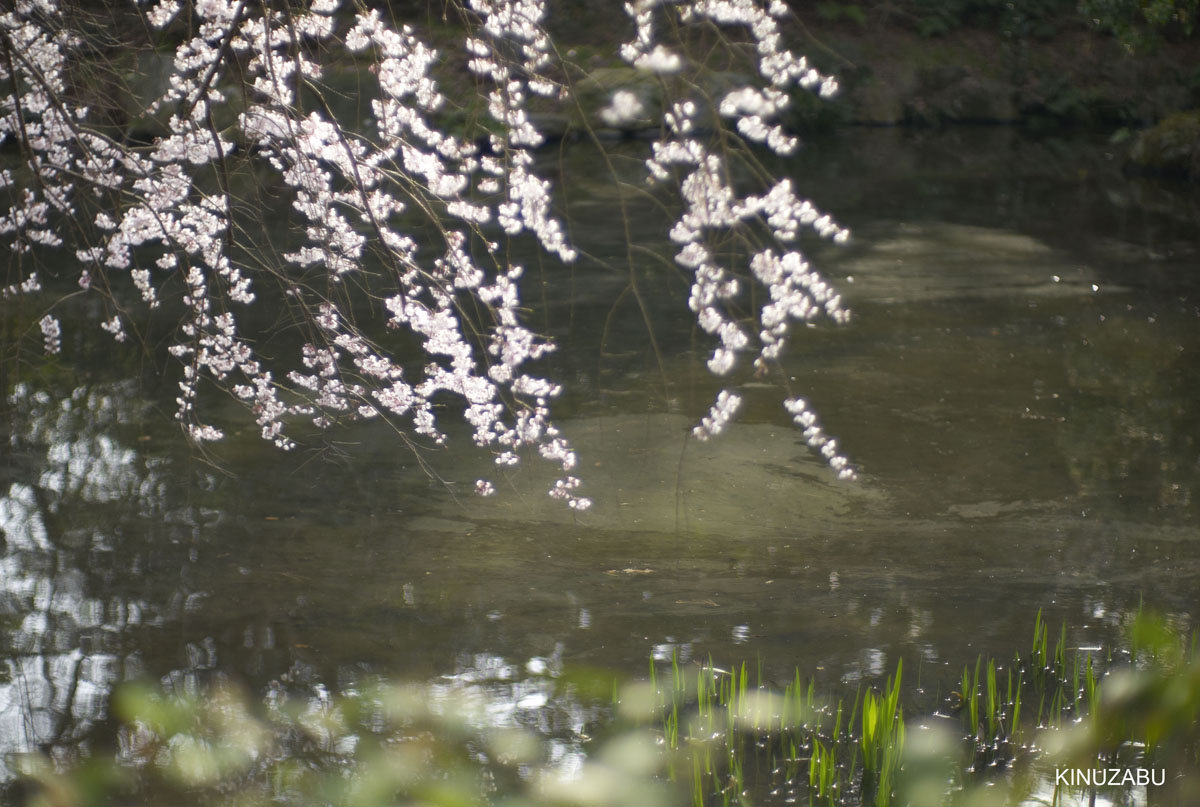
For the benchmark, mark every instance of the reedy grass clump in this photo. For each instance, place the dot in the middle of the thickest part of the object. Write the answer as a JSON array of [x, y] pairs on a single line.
[[739, 737], [746, 744]]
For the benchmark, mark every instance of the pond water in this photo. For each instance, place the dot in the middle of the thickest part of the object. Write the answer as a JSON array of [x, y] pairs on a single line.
[[1016, 389]]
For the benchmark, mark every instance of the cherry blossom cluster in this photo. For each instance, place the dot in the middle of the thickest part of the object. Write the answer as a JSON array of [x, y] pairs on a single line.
[[38, 117], [392, 219], [713, 208], [166, 217], [722, 411], [512, 52], [163, 217], [51, 333], [643, 51], [816, 438]]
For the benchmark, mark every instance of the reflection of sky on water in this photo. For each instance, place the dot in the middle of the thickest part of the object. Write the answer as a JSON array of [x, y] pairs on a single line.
[[59, 646], [83, 513], [1043, 792], [504, 694]]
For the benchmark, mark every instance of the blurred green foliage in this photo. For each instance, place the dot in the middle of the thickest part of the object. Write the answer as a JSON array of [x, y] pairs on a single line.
[[1037, 18], [1171, 147], [1040, 18], [1137, 24], [711, 732], [1141, 24], [393, 744]]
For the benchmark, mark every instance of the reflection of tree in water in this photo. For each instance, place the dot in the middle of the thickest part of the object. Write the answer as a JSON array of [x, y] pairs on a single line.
[[100, 546], [71, 488]]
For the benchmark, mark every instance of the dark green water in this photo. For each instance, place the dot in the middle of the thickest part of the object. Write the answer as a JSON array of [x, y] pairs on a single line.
[[1017, 390]]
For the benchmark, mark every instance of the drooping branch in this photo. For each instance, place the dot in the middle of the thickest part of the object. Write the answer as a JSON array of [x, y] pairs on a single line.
[[401, 221]]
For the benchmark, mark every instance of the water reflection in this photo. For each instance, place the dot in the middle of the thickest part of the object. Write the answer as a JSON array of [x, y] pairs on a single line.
[[1026, 441], [66, 641]]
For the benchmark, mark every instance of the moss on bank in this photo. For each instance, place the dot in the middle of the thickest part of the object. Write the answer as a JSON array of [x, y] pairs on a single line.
[[1171, 147]]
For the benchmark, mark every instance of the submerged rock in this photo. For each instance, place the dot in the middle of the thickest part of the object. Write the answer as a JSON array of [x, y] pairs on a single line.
[[647, 473], [918, 261]]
